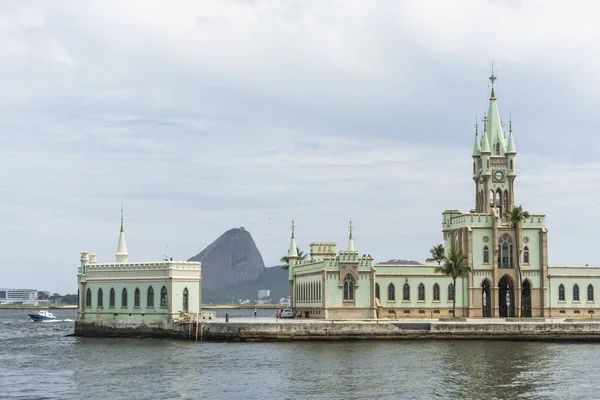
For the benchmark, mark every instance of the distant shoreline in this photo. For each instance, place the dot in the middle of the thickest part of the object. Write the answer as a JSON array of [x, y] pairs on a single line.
[[204, 306], [37, 307]]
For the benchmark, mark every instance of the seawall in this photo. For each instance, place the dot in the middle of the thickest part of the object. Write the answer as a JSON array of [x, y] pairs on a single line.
[[252, 330]]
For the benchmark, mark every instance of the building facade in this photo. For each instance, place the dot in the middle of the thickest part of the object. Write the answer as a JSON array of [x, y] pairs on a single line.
[[18, 296], [159, 291], [510, 275]]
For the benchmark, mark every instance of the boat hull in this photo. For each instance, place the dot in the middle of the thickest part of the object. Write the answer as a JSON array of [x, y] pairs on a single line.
[[39, 318]]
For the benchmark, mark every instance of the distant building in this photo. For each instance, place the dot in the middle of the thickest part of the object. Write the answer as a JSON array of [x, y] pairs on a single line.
[[264, 293], [157, 291], [18, 296]]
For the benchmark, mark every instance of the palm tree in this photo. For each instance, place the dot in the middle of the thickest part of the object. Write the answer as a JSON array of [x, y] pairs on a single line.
[[286, 261], [515, 217], [455, 266], [437, 254]]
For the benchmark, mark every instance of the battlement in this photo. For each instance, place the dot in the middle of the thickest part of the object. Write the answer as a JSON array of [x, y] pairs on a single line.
[[322, 250], [164, 265], [453, 220]]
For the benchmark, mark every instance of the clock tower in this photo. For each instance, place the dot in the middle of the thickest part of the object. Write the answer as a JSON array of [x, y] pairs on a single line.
[[494, 163]]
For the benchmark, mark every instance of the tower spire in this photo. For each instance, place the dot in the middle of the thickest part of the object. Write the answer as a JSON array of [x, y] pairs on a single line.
[[121, 255], [350, 239], [293, 251], [477, 144], [511, 142], [493, 79]]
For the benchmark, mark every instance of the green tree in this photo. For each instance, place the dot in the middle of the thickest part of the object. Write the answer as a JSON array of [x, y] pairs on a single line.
[[286, 261], [515, 218], [437, 254], [455, 266], [43, 295]]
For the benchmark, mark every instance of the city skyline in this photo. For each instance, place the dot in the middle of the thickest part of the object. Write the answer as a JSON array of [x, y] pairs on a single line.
[[201, 117]]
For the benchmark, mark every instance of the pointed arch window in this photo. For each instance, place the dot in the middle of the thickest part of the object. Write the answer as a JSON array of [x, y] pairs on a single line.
[[561, 293], [511, 164], [377, 294], [575, 292], [136, 297], [486, 255], [391, 292], [451, 292], [421, 292], [497, 149], [111, 297], [124, 298], [164, 302], [349, 288], [88, 298], [590, 293], [185, 300], [526, 255], [505, 252], [436, 292], [100, 301], [406, 292], [150, 297]]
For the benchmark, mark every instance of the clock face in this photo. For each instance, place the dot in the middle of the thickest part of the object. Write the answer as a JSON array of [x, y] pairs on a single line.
[[499, 175]]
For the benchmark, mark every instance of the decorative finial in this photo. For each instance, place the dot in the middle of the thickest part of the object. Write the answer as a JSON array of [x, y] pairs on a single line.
[[510, 122], [293, 227], [476, 126], [122, 216], [493, 77], [350, 226]]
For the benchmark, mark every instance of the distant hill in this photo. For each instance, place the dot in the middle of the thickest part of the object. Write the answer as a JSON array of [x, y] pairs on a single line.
[[399, 261], [275, 279], [230, 260]]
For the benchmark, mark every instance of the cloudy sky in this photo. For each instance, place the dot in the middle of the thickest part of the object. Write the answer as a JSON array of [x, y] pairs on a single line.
[[202, 116]]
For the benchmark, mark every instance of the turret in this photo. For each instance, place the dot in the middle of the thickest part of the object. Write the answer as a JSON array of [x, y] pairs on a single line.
[[485, 150], [476, 150], [511, 152], [351, 239], [292, 255], [496, 140], [121, 255]]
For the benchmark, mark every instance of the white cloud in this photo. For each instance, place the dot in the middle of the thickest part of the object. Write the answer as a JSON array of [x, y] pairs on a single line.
[[204, 116]]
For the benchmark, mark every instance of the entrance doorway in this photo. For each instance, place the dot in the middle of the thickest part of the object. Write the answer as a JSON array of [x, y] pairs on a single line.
[[486, 300], [506, 296], [526, 298]]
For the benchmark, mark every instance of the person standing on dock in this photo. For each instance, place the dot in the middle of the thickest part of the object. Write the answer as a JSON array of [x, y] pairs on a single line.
[[255, 311]]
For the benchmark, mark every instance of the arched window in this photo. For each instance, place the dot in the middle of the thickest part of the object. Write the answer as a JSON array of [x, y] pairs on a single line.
[[136, 297], [511, 164], [561, 293], [164, 302], [150, 297], [590, 293], [451, 292], [436, 292], [406, 292], [124, 298], [111, 298], [88, 298], [377, 291], [575, 292], [497, 149], [391, 292], [100, 301], [421, 292], [526, 255], [185, 300], [505, 252], [486, 255], [349, 288]]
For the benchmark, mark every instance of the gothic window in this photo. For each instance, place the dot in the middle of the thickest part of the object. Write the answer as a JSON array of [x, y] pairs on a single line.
[[349, 288], [590, 293], [406, 292], [111, 298], [124, 298], [185, 300], [505, 252], [488, 164], [391, 292], [511, 164], [451, 292], [436, 292], [100, 301], [486, 255], [164, 302], [377, 291], [497, 149], [526, 255], [150, 297], [506, 197], [136, 297], [421, 292], [561, 293], [473, 166], [576, 293], [88, 298]]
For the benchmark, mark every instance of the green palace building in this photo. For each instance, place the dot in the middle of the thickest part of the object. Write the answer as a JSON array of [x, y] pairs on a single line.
[[510, 273]]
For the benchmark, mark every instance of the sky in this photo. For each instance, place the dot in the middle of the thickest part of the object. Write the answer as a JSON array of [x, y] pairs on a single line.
[[202, 116]]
